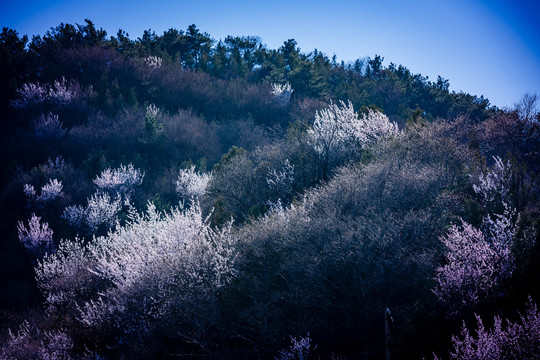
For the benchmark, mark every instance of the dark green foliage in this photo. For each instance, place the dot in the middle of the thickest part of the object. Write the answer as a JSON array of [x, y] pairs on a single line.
[[366, 240], [11, 55], [68, 36]]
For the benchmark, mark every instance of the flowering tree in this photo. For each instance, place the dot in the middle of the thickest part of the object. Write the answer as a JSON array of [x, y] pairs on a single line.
[[30, 342], [494, 185], [120, 181], [339, 128], [49, 192], [64, 277], [372, 126], [281, 180], [59, 94], [101, 209], [136, 277], [31, 94], [515, 135], [282, 93], [478, 261], [115, 187], [37, 238], [153, 62], [475, 266], [518, 340], [329, 131], [191, 184]]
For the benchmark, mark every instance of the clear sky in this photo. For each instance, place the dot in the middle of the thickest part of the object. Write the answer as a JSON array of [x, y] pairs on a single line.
[[489, 48]]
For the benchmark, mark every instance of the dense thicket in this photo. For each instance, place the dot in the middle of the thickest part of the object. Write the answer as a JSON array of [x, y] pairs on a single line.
[[176, 196]]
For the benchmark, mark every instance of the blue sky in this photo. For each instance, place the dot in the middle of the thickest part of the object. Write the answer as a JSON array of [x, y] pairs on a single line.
[[489, 48]]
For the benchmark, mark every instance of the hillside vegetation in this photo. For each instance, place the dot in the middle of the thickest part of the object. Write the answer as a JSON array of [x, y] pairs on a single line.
[[175, 196]]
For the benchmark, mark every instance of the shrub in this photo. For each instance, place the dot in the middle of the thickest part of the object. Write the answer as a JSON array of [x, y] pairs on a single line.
[[37, 238]]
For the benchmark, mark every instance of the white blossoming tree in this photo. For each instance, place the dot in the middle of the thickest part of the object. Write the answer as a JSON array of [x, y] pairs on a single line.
[[282, 93], [115, 188], [49, 192], [372, 126], [58, 94], [192, 184], [138, 276], [338, 128], [153, 62], [494, 185], [31, 342], [280, 181], [100, 210], [120, 181], [37, 238]]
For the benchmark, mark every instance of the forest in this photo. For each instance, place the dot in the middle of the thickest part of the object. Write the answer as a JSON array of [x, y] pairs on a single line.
[[179, 197]]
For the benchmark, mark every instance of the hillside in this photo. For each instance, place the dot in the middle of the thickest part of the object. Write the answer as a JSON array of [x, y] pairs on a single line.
[[175, 196]]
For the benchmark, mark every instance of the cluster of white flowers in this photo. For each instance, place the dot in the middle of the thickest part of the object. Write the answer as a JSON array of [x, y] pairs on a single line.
[[63, 92], [495, 183], [152, 111], [372, 126], [281, 180], [475, 266], [60, 93], [153, 62], [155, 263], [37, 238], [120, 181], [62, 276], [49, 192], [31, 94], [101, 209], [191, 184], [32, 343], [329, 131], [500, 229], [29, 191], [276, 210], [282, 93], [284, 217], [339, 125]]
